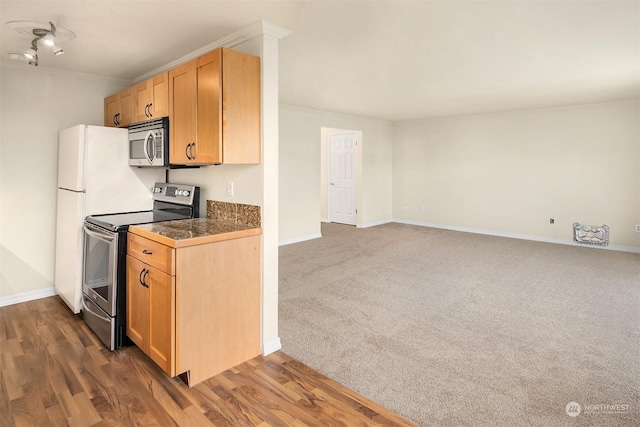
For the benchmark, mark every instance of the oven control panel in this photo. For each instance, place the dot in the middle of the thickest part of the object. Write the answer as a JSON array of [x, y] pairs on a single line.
[[174, 193]]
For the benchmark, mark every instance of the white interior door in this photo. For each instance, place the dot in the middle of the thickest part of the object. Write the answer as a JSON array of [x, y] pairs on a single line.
[[342, 179]]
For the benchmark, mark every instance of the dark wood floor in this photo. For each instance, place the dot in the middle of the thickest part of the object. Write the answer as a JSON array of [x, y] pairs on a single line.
[[54, 371]]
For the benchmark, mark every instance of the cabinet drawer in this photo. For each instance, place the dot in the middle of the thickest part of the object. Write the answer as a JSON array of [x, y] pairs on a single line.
[[155, 254]]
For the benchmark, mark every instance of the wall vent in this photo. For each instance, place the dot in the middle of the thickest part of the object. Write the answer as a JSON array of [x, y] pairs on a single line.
[[590, 235]]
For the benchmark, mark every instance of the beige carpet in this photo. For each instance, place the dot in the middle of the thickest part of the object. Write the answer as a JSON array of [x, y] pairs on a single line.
[[454, 329]]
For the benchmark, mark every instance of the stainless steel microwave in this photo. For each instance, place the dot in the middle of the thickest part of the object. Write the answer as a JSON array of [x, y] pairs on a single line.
[[149, 143]]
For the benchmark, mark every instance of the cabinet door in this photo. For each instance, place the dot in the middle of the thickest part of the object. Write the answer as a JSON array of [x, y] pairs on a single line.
[[152, 98], [159, 89], [209, 77], [241, 115], [162, 319], [137, 304], [111, 108], [142, 99], [126, 107], [182, 113]]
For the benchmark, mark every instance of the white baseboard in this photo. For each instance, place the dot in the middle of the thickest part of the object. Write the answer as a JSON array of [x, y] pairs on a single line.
[[271, 347], [375, 223], [621, 248], [299, 239], [27, 296]]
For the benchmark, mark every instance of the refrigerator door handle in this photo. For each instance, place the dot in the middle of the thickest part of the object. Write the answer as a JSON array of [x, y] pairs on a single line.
[[149, 144]]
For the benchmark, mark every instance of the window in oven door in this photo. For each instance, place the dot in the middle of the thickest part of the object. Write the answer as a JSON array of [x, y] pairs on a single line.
[[100, 263]]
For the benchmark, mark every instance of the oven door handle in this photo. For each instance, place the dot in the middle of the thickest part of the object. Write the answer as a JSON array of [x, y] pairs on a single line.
[[96, 313], [97, 233]]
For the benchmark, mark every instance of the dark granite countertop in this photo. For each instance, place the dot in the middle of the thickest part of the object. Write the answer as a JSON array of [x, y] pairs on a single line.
[[187, 232]]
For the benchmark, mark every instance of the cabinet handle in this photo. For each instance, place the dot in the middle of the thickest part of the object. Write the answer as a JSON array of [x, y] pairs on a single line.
[[143, 277], [115, 119], [190, 154], [150, 114], [147, 252]]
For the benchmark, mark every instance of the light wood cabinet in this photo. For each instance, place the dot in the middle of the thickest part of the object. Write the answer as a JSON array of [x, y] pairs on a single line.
[[118, 109], [214, 109], [151, 98], [182, 114], [150, 316], [203, 319]]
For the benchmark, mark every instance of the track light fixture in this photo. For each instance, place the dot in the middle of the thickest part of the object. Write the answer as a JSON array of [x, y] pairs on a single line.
[[47, 36]]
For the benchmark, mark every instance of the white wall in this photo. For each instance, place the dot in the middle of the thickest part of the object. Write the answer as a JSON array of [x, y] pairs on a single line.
[[35, 104], [300, 163], [510, 173]]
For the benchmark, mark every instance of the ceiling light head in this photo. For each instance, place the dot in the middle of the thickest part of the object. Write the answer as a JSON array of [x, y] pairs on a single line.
[[30, 54], [57, 50], [49, 40], [34, 61]]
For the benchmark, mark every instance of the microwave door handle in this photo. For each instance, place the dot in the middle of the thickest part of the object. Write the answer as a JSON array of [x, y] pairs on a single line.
[[149, 144], [103, 236]]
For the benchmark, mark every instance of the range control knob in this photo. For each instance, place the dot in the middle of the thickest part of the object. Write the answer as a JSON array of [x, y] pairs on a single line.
[[178, 192], [185, 193]]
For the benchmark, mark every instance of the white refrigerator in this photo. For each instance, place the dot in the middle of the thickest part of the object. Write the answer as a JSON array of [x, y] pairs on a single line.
[[94, 177]]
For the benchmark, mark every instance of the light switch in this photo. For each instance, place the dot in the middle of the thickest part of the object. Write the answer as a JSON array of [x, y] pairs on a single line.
[[230, 188]]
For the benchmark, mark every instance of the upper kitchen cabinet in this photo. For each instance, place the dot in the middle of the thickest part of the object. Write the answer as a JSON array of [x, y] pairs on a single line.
[[151, 98], [214, 110], [118, 109]]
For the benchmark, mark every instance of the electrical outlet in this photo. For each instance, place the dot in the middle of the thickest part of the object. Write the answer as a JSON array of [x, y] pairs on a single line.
[[230, 188], [421, 208], [552, 221], [405, 207], [637, 228]]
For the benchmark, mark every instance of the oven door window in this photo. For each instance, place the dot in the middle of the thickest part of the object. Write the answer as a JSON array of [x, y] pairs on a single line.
[[100, 251]]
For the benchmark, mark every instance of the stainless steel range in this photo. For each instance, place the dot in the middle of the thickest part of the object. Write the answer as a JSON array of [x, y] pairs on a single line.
[[105, 255]]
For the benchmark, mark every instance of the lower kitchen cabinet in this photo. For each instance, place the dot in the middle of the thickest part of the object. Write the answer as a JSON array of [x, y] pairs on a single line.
[[150, 312], [201, 316]]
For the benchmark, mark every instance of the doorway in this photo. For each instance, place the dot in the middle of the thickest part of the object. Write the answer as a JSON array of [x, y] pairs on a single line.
[[341, 175]]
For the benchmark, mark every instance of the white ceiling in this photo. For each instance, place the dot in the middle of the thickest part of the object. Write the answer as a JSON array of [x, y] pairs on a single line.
[[388, 60]]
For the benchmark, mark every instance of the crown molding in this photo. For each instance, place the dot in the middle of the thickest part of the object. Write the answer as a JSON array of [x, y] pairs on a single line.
[[43, 69], [274, 30], [258, 28]]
